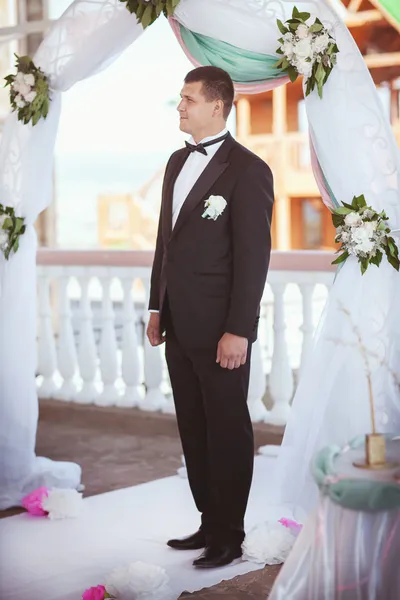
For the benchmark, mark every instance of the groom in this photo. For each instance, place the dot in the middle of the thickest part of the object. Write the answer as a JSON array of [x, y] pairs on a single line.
[[210, 266]]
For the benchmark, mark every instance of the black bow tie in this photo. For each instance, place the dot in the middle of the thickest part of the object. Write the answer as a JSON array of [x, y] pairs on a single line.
[[202, 147]]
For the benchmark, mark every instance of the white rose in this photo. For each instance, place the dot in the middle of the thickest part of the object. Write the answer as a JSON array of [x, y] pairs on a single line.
[[29, 79], [288, 37], [16, 86], [20, 77], [370, 227], [62, 504], [321, 43], [288, 49], [303, 48], [352, 219], [24, 89], [304, 67], [139, 580], [365, 246], [31, 96], [19, 102], [302, 31]]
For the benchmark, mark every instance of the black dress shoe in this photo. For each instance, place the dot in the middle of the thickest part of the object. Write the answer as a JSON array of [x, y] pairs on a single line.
[[217, 556], [192, 542]]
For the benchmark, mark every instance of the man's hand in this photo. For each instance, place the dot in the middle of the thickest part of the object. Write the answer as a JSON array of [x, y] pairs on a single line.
[[232, 351], [154, 330]]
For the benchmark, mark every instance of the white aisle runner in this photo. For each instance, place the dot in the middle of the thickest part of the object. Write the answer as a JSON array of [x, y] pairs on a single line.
[[57, 560]]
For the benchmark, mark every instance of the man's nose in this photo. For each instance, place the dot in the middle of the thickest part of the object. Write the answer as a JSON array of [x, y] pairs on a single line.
[[180, 107]]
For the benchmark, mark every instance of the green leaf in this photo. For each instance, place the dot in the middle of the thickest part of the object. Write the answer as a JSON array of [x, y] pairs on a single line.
[[295, 12], [360, 201], [364, 265], [304, 16], [293, 74], [337, 220], [341, 258], [342, 210], [394, 261], [316, 28], [35, 118], [377, 259], [281, 26], [8, 224], [16, 245], [18, 224]]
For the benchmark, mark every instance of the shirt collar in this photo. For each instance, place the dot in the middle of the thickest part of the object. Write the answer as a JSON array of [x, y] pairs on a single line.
[[211, 137]]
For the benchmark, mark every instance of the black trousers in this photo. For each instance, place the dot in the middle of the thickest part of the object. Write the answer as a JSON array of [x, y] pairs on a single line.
[[216, 434]]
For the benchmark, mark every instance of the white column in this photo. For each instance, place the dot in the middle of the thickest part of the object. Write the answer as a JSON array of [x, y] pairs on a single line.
[[307, 327], [130, 350], [281, 376], [257, 385], [47, 357], [108, 349], [67, 360], [87, 354]]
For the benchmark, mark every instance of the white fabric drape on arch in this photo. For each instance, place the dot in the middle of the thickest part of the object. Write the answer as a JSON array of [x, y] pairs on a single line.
[[358, 154], [86, 39]]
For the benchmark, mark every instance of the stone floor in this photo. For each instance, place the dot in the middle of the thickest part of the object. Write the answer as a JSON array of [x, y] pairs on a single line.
[[123, 447]]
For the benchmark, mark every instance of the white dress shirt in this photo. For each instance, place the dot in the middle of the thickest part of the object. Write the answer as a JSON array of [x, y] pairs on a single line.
[[191, 171]]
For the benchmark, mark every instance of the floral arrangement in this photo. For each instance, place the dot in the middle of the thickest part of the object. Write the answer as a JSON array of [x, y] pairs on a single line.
[[148, 11], [29, 91], [270, 543], [53, 503], [364, 233], [138, 581], [308, 50], [11, 228]]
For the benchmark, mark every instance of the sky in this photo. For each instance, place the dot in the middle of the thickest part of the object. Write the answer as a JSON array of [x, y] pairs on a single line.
[[132, 104]]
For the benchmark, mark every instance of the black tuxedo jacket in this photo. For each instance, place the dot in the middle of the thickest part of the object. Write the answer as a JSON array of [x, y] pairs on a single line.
[[214, 271]]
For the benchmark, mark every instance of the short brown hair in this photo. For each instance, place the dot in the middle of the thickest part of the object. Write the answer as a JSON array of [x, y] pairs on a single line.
[[217, 85]]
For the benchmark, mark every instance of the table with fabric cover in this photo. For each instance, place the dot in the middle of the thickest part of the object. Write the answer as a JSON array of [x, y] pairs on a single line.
[[349, 548]]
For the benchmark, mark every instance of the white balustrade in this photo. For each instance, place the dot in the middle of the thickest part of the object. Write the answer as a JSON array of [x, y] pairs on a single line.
[[281, 376], [98, 330], [130, 365], [307, 328], [153, 369], [87, 354], [47, 356], [66, 355], [108, 349], [257, 385]]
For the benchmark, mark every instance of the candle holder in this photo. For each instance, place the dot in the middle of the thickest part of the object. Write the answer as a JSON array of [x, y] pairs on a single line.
[[375, 454]]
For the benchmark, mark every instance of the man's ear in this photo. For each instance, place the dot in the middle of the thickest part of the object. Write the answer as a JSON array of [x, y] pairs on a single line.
[[218, 108]]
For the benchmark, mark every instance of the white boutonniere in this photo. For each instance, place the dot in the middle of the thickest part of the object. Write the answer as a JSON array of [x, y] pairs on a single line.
[[215, 206]]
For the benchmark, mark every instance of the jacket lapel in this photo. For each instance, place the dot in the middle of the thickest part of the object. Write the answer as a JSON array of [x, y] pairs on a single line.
[[209, 176], [168, 191]]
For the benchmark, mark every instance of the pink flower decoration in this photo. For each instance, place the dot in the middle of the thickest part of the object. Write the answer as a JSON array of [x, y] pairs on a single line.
[[95, 593], [33, 502], [294, 527]]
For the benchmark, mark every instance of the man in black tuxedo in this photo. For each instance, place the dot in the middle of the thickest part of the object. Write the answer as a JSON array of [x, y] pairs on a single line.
[[210, 266]]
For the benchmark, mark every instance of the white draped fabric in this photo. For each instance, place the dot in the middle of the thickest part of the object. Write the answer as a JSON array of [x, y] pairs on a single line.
[[87, 38], [357, 153]]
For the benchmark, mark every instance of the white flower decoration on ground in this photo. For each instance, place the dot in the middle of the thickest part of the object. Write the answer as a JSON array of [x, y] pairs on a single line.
[[215, 206], [139, 581], [308, 50], [268, 544], [63, 504]]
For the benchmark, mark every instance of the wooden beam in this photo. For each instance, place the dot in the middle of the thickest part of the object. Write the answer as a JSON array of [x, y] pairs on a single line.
[[354, 5], [376, 61], [362, 18]]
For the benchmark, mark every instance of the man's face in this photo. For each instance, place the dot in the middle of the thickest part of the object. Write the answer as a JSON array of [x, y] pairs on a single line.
[[195, 112]]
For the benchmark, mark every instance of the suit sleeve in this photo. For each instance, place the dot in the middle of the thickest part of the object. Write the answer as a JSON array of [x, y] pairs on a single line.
[[251, 215], [154, 301]]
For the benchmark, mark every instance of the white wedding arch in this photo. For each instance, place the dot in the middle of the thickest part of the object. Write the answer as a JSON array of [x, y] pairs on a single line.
[[355, 153]]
